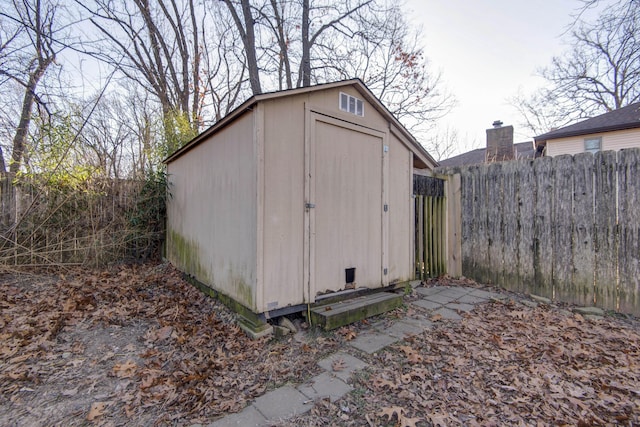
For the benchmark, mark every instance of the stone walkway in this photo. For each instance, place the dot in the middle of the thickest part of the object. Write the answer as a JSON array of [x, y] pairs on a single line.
[[287, 401]]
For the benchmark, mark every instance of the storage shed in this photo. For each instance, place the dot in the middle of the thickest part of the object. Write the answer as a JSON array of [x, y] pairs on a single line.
[[296, 194]]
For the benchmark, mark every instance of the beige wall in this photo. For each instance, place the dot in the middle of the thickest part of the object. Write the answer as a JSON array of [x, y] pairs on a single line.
[[283, 247], [617, 140], [237, 220], [211, 230], [401, 222], [283, 222]]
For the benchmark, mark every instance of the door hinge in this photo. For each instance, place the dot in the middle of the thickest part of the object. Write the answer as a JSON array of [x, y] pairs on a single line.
[[386, 208], [385, 271]]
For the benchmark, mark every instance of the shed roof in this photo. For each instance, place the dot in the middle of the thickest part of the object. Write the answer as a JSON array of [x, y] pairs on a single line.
[[623, 118], [415, 146]]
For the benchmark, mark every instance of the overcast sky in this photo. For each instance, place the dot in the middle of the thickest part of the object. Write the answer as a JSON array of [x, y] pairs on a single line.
[[487, 51]]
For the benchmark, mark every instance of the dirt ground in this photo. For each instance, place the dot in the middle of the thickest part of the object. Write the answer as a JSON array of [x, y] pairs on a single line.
[[136, 345], [132, 345]]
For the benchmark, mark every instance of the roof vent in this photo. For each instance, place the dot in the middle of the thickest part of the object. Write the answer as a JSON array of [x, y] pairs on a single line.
[[497, 124]]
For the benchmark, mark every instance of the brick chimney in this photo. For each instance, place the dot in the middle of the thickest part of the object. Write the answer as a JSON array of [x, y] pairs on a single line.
[[499, 143]]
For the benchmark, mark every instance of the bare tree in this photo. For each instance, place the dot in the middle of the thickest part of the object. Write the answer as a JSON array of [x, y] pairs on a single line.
[[390, 60], [156, 44], [296, 44], [245, 23], [600, 72], [27, 50]]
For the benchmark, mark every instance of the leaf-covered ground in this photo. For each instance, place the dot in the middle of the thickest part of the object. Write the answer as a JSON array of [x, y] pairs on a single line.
[[503, 364], [136, 345]]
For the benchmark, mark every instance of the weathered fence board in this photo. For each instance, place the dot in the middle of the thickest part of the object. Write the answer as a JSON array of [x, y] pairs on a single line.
[[562, 225], [605, 229], [582, 249], [495, 256], [467, 204], [509, 225], [566, 227], [543, 215], [481, 261], [524, 176], [629, 222]]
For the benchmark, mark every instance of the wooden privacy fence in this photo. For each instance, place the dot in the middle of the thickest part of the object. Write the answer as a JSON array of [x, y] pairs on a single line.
[[567, 228], [430, 210], [96, 222]]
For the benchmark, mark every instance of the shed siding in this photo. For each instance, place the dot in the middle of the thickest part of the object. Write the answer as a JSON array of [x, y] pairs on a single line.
[[284, 201], [211, 230], [400, 212], [237, 219], [617, 140]]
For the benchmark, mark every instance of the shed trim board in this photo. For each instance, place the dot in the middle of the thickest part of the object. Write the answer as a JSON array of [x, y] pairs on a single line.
[[258, 135]]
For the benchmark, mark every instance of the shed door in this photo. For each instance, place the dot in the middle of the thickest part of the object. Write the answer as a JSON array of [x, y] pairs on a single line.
[[346, 212]]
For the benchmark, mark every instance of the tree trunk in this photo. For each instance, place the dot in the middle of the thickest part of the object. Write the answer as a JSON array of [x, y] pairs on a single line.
[[305, 66], [247, 34]]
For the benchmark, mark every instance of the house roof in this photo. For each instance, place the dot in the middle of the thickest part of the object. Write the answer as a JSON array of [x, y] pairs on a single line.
[[623, 118], [415, 146], [474, 157]]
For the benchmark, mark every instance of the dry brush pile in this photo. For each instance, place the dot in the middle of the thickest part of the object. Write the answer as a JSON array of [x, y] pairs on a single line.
[[90, 222]]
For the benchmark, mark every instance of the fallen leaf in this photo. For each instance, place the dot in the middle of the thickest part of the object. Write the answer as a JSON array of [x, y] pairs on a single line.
[[436, 317], [338, 365], [390, 412], [125, 370], [97, 410]]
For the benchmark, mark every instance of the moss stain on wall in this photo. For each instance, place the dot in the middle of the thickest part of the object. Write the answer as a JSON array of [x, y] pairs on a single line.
[[185, 254]]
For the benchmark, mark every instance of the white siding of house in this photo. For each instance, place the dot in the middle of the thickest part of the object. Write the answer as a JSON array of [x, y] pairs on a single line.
[[616, 140]]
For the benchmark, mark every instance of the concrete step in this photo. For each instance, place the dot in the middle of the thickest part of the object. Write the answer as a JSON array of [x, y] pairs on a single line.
[[334, 315]]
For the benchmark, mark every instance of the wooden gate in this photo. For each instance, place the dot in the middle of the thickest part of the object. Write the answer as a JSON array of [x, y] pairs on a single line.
[[430, 237]]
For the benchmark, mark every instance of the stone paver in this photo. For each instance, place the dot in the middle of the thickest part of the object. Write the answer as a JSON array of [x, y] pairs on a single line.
[[442, 297], [541, 300], [282, 402], [370, 342], [471, 299], [288, 401], [456, 292], [325, 385], [422, 323], [428, 291], [401, 329], [429, 305], [484, 294], [349, 363], [594, 311], [447, 314], [249, 417], [530, 304], [460, 307]]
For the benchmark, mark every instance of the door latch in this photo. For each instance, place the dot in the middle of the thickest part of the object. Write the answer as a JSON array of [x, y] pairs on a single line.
[[309, 205]]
